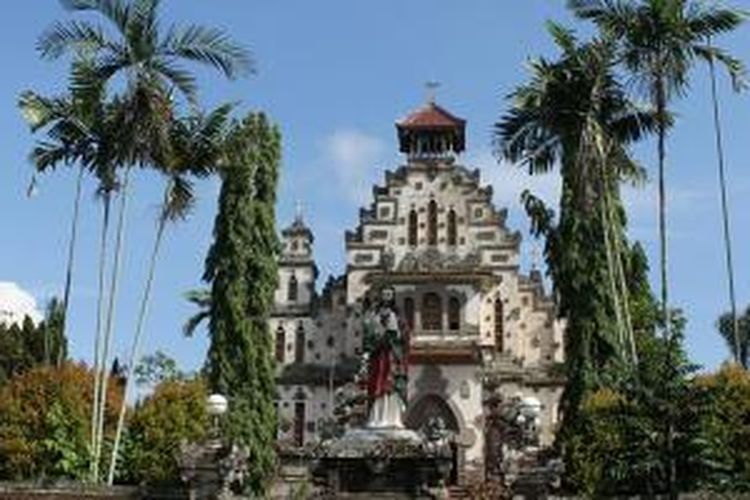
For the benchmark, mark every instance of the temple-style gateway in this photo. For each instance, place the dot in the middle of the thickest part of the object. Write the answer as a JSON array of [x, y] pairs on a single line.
[[471, 316]]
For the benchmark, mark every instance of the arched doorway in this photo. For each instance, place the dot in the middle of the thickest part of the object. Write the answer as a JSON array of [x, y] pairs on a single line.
[[428, 407]]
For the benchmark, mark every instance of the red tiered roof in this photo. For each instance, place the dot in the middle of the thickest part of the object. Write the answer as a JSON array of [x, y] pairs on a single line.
[[431, 116]]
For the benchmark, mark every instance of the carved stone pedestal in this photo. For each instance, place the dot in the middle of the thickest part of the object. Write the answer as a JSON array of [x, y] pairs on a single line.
[[396, 463], [211, 469]]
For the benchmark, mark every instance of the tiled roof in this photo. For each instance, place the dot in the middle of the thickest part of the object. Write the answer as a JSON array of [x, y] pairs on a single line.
[[431, 116]]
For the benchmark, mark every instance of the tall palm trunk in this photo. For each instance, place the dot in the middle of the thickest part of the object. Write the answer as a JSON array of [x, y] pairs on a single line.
[[135, 347], [107, 200], [725, 210], [661, 107], [71, 249], [108, 331], [660, 95]]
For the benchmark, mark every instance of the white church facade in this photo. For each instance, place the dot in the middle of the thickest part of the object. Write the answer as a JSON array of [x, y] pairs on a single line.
[[433, 234]]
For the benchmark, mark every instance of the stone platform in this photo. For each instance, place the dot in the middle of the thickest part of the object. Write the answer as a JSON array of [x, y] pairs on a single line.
[[382, 462]]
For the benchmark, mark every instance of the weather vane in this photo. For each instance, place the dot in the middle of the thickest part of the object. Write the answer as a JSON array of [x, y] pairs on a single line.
[[432, 87]]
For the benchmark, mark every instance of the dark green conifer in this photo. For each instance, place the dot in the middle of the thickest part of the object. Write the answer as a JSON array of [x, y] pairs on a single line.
[[241, 268]]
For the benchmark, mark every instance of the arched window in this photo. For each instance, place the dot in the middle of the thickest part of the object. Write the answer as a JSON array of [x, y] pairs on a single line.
[[432, 223], [299, 423], [299, 344], [409, 313], [432, 312], [280, 344], [293, 289], [452, 230], [454, 314], [499, 339], [413, 221]]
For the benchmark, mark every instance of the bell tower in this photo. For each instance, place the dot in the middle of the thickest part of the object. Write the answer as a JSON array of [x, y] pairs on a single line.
[[431, 133], [297, 270]]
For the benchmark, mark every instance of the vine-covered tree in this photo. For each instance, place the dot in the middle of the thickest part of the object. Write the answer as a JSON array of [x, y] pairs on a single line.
[[659, 42], [241, 269], [573, 113]]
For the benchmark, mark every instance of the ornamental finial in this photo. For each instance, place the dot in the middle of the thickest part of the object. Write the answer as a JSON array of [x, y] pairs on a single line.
[[431, 87], [298, 211]]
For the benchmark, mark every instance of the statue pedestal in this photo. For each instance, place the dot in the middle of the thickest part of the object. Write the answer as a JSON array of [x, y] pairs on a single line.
[[211, 468], [382, 461]]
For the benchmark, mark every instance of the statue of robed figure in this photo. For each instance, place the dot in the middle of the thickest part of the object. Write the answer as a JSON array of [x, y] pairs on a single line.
[[384, 347]]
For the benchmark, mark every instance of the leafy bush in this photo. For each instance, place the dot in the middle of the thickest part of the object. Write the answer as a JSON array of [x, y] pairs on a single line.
[[45, 422], [174, 413], [725, 429]]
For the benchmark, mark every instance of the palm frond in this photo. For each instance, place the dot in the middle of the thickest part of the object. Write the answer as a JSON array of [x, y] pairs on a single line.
[[708, 21], [116, 11], [179, 198], [192, 324], [209, 46], [39, 111], [48, 155], [76, 36], [202, 299], [614, 17], [87, 87], [563, 37], [735, 68], [181, 78]]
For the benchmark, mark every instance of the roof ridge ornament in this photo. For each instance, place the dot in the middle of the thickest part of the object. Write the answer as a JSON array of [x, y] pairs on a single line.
[[431, 86], [298, 213]]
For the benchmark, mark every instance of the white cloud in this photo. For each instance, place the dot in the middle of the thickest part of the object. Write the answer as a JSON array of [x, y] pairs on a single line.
[[16, 304], [353, 156]]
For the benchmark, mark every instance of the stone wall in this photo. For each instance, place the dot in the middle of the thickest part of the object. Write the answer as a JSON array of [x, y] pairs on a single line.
[[25, 491]]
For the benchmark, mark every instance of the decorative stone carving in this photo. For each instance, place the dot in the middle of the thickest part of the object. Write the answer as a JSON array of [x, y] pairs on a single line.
[[432, 259], [387, 260]]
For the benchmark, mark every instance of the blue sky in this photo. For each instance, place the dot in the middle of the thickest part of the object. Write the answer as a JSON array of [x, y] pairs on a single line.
[[335, 75]]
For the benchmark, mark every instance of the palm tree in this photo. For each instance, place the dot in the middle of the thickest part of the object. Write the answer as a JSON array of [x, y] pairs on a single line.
[[80, 130], [148, 60], [574, 113], [201, 298], [660, 41], [721, 171], [38, 113], [196, 147], [728, 326]]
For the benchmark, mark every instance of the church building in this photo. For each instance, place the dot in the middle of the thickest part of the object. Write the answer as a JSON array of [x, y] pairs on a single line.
[[433, 234]]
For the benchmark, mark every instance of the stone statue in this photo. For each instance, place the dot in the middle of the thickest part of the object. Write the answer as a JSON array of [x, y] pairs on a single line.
[[385, 358]]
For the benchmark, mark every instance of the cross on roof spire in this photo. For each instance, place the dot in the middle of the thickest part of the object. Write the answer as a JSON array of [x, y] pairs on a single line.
[[431, 87], [298, 211]]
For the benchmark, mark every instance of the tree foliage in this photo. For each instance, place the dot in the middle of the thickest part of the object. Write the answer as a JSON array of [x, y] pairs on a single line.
[[26, 346], [574, 114], [173, 414], [157, 368], [241, 268], [45, 422], [725, 326], [725, 430]]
